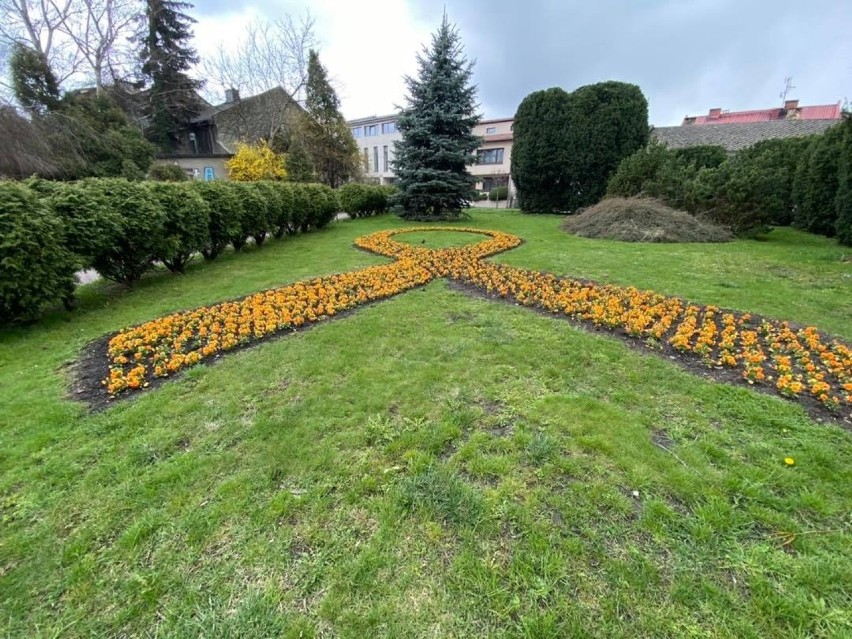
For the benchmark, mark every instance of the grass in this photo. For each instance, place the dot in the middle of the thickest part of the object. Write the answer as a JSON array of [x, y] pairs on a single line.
[[434, 464]]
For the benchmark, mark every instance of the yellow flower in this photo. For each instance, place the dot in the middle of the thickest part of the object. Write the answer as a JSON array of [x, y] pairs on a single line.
[[789, 461]]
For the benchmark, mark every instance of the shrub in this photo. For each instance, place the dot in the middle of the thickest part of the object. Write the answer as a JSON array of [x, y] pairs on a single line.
[[283, 215], [225, 210], [302, 210], [775, 161], [816, 209], [186, 224], [36, 270], [362, 200], [322, 205], [843, 201], [139, 234], [167, 173], [254, 221], [642, 220], [90, 223], [607, 122], [567, 145], [705, 156], [655, 172], [731, 195], [499, 193], [252, 163], [538, 167]]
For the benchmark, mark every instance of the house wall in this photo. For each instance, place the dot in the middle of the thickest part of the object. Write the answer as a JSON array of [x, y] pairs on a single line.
[[497, 134], [195, 165]]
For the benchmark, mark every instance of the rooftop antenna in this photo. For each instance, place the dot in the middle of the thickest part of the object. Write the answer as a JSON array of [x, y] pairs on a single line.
[[788, 86]]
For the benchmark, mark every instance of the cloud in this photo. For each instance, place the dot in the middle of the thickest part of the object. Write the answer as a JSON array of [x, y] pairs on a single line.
[[686, 55]]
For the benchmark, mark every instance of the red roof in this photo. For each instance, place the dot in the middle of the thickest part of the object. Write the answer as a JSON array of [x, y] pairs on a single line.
[[794, 112]]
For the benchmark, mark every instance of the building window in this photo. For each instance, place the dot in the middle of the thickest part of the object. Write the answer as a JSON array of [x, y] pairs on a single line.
[[385, 151], [371, 130], [491, 129], [366, 159], [493, 182], [356, 132], [388, 127], [490, 156], [376, 159]]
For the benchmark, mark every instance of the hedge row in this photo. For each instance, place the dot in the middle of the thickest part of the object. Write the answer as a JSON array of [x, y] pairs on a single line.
[[364, 200], [799, 181], [50, 230]]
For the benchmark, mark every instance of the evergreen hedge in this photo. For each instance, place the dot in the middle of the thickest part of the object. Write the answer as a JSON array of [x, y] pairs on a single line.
[[36, 270], [122, 228]]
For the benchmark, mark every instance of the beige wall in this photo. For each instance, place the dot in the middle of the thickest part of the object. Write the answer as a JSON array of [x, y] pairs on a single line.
[[199, 163], [496, 135]]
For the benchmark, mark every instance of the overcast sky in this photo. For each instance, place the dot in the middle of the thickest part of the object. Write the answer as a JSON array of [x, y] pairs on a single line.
[[686, 55]]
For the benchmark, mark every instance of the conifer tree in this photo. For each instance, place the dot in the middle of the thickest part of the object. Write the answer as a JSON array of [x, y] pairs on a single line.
[[331, 146], [166, 57], [437, 132], [33, 81], [843, 201]]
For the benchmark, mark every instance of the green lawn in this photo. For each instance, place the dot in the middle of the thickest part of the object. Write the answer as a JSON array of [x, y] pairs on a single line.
[[432, 465]]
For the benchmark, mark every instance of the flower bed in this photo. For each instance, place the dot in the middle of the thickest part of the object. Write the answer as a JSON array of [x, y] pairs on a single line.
[[796, 362]]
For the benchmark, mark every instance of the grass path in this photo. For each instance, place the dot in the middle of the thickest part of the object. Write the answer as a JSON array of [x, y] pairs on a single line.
[[436, 465]]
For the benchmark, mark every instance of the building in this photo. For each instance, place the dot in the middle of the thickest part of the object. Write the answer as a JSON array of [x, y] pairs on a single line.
[[790, 111], [494, 157], [210, 139], [740, 129], [375, 136]]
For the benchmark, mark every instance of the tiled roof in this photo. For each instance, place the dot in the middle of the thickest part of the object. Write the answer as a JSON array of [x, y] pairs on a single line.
[[818, 112], [498, 137], [734, 137]]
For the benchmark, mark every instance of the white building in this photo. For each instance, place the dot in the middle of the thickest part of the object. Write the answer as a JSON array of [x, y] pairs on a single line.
[[375, 136]]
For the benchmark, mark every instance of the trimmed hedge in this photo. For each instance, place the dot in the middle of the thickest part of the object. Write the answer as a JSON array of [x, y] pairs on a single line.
[[364, 200], [498, 193], [186, 223], [36, 270], [122, 229], [225, 209], [167, 173]]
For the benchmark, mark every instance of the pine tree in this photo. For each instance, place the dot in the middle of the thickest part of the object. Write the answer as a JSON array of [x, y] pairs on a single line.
[[166, 57], [329, 140], [33, 81], [437, 132]]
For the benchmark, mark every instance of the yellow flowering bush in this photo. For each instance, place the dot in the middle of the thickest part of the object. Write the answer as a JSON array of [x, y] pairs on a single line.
[[795, 362], [255, 162]]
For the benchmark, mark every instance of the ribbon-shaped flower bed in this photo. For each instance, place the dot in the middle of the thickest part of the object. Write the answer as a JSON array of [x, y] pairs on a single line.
[[795, 362]]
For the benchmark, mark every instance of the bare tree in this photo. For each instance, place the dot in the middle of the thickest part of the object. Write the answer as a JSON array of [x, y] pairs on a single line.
[[101, 32], [38, 23], [270, 54]]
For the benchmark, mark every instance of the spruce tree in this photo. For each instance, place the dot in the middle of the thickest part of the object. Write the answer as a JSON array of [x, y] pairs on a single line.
[[437, 132], [329, 140], [166, 58]]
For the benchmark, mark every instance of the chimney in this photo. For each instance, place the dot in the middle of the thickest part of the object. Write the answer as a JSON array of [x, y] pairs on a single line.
[[790, 105], [231, 95], [715, 113]]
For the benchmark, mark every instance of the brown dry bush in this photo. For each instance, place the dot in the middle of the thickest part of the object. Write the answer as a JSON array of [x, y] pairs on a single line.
[[642, 220]]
